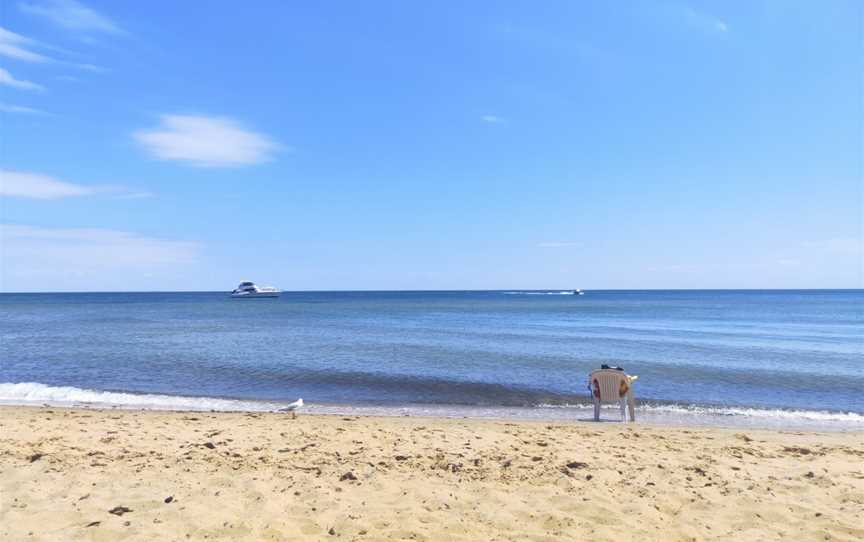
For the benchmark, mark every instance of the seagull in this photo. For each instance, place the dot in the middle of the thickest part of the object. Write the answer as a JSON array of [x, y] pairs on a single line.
[[292, 407]]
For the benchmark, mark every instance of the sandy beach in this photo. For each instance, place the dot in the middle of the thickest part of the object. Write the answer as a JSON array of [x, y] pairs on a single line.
[[70, 474]]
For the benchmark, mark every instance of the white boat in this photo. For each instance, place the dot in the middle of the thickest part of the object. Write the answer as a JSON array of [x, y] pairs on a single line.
[[577, 291], [250, 289]]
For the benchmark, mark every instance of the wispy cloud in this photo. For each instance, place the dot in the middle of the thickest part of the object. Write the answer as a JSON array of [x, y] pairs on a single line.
[[9, 108], [560, 244], [90, 68], [206, 142], [492, 119], [844, 246], [56, 253], [7, 79], [705, 21], [17, 47], [20, 184], [24, 184], [71, 15]]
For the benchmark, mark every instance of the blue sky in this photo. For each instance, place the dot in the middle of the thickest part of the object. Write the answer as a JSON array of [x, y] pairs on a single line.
[[416, 145]]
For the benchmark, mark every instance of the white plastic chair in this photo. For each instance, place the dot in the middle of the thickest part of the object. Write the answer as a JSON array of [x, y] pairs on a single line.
[[609, 388]]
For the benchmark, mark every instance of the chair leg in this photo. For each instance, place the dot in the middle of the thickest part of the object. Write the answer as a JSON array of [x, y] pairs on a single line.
[[596, 410], [623, 410]]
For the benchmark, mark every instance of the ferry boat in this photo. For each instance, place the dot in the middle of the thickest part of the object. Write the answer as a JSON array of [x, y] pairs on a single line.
[[248, 289]]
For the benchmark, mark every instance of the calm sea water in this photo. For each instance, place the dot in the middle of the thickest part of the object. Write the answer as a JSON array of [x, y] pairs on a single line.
[[732, 352]]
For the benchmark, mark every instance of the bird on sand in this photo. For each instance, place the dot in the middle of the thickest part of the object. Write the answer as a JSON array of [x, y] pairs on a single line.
[[292, 407]]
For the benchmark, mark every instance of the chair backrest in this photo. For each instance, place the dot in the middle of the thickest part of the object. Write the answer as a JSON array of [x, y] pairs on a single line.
[[609, 381]]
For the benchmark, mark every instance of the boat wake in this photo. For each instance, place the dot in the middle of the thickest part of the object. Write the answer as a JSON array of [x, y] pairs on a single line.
[[560, 292]]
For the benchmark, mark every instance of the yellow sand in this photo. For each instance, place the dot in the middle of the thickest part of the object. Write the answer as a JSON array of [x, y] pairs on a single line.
[[268, 477]]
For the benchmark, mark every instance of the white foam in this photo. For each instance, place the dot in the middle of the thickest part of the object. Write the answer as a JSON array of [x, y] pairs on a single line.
[[30, 393], [777, 414], [33, 393]]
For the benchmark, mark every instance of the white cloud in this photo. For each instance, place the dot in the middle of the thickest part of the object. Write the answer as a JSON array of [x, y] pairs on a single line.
[[9, 108], [22, 184], [71, 15], [13, 45], [47, 258], [492, 119], [206, 142], [559, 244], [7, 79]]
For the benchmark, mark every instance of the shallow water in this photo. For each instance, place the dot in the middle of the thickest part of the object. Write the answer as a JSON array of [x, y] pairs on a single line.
[[781, 355]]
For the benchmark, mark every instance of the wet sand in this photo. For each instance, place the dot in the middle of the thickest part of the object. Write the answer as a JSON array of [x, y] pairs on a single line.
[[78, 474]]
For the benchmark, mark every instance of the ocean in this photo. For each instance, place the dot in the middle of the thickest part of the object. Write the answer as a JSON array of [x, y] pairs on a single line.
[[749, 357]]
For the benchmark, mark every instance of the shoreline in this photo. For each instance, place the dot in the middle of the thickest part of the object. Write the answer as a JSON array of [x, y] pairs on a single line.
[[673, 416], [258, 475], [652, 412]]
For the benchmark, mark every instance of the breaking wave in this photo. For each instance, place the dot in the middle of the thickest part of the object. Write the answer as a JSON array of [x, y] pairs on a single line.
[[33, 393]]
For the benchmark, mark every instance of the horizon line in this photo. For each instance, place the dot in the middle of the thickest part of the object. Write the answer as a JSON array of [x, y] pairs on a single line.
[[442, 290]]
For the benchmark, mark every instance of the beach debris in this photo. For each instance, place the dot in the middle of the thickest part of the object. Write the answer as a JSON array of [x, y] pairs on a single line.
[[589, 476], [573, 465], [209, 445], [347, 476], [316, 470], [698, 470], [119, 510], [169, 499], [402, 458], [809, 474], [81, 498], [36, 457], [93, 524], [507, 463], [331, 531], [797, 450]]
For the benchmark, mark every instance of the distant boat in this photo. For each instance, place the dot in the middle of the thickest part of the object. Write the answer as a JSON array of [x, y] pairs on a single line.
[[577, 291], [248, 289]]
